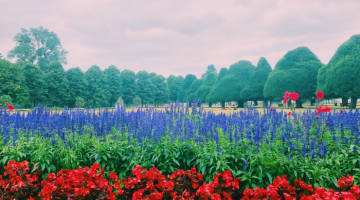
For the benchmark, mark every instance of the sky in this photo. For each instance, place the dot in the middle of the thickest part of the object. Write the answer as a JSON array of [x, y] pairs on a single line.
[[182, 37]]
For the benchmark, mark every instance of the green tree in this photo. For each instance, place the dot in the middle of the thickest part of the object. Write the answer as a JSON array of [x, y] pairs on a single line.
[[4, 101], [97, 93], [38, 46], [206, 86], [12, 81], [56, 84], [137, 101], [296, 72], [254, 90], [191, 94], [210, 69], [34, 81], [185, 86], [174, 86], [78, 85], [341, 75], [145, 87], [113, 83], [129, 86], [161, 92], [228, 87]]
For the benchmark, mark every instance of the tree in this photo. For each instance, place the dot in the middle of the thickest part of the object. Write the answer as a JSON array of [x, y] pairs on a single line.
[[12, 81], [174, 86], [137, 101], [161, 92], [255, 88], [341, 75], [145, 88], [295, 72], [56, 84], [206, 86], [113, 83], [97, 92], [38, 46], [129, 86], [210, 69], [34, 81], [185, 86], [5, 100], [228, 87], [191, 94], [78, 85]]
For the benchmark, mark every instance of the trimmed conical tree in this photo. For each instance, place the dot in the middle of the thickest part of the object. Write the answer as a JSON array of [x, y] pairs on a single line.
[[295, 72], [255, 88], [342, 76], [191, 94], [185, 86], [206, 86], [228, 87]]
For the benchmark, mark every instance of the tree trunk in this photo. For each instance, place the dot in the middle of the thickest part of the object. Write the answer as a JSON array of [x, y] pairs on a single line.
[[265, 102], [222, 104], [353, 102], [299, 103], [255, 102], [344, 101], [210, 104], [240, 104]]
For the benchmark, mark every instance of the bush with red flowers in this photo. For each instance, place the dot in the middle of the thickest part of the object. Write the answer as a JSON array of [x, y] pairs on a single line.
[[88, 183]]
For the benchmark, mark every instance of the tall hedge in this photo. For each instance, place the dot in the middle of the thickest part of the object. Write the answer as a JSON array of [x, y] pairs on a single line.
[[191, 94], [296, 72], [206, 86], [341, 76], [228, 87], [185, 87], [254, 90]]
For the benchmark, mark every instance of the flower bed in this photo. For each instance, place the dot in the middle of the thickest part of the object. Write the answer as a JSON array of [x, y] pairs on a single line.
[[89, 183]]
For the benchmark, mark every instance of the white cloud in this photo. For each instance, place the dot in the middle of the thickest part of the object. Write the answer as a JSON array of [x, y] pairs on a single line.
[[182, 36]]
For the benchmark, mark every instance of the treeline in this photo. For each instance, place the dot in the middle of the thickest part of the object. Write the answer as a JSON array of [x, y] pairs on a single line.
[[300, 70]]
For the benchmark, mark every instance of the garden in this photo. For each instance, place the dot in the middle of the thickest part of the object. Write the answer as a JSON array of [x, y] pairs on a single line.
[[180, 154]]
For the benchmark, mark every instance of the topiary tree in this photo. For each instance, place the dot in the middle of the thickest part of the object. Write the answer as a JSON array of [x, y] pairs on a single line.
[[341, 76], [185, 86], [255, 87], [137, 101], [206, 86], [295, 72], [191, 94], [228, 87]]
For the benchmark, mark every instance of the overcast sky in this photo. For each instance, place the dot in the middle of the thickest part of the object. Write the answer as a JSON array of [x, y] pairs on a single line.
[[183, 36]]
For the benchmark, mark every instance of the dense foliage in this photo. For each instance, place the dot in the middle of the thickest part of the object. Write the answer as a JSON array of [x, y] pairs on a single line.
[[340, 75], [318, 148], [206, 86], [296, 71], [189, 79], [191, 94]]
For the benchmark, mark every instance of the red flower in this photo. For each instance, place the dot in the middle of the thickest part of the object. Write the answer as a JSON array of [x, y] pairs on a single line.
[[271, 109], [79, 103], [10, 107], [320, 95], [323, 109], [294, 96], [289, 113]]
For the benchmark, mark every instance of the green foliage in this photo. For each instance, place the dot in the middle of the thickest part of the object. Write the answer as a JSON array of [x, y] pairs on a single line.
[[145, 88], [97, 88], [228, 87], [137, 101], [12, 81], [341, 74], [255, 87], [174, 84], [191, 94], [5, 100], [34, 81], [210, 69], [38, 45], [185, 86], [56, 84], [113, 83], [322, 83], [206, 86], [77, 86], [129, 86], [81, 101], [161, 92], [295, 72]]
